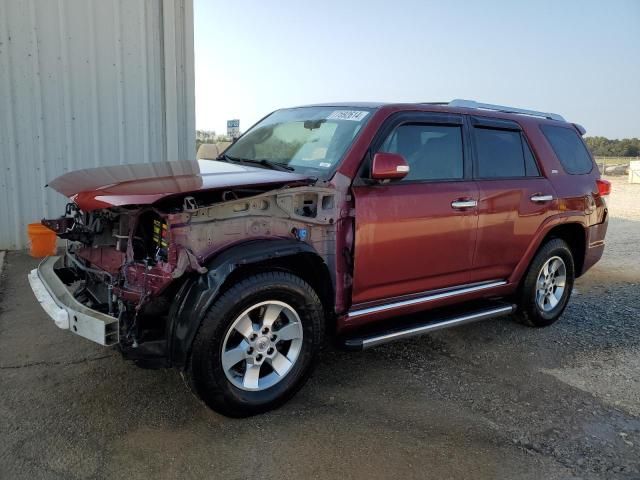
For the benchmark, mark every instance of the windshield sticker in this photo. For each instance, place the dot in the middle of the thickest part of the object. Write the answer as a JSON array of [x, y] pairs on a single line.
[[324, 165], [355, 115]]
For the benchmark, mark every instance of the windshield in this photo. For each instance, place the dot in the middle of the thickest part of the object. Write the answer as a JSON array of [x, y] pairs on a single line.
[[310, 140]]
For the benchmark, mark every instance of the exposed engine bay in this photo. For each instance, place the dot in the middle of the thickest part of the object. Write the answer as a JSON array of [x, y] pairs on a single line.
[[129, 261]]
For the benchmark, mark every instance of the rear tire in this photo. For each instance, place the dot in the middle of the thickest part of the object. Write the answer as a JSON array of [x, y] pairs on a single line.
[[257, 344], [547, 285]]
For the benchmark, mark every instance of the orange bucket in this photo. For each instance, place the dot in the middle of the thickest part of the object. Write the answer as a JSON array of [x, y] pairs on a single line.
[[42, 240]]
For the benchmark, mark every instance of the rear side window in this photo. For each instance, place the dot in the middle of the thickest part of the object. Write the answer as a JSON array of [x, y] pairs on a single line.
[[433, 152], [530, 162], [569, 149], [502, 154]]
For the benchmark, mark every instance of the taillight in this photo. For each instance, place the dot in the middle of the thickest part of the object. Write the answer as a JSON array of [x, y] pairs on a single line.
[[604, 187]]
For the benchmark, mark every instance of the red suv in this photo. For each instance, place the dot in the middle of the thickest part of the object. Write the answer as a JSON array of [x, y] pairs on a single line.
[[326, 220]]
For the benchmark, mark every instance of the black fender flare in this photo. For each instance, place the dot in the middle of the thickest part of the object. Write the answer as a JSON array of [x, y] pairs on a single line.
[[198, 293]]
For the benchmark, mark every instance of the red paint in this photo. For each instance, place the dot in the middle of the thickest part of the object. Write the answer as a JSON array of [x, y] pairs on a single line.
[[507, 221], [105, 258], [388, 166], [393, 239], [409, 239], [140, 279], [146, 183]]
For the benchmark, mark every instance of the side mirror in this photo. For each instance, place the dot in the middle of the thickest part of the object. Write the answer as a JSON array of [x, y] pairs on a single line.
[[388, 166]]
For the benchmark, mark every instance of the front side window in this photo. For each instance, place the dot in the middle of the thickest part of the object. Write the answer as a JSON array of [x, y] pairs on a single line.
[[308, 139], [569, 149], [502, 154], [433, 152]]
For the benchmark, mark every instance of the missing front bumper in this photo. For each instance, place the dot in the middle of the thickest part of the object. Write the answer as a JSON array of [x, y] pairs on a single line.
[[67, 313]]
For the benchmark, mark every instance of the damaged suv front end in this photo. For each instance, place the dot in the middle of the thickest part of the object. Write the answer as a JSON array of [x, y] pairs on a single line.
[[139, 239]]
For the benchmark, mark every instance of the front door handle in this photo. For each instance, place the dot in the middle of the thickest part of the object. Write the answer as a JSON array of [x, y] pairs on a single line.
[[538, 198], [464, 204]]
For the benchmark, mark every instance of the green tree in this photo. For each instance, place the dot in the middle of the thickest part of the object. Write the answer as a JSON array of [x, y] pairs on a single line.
[[605, 147]]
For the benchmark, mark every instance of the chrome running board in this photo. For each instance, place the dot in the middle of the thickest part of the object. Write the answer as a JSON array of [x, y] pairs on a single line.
[[429, 297], [417, 330]]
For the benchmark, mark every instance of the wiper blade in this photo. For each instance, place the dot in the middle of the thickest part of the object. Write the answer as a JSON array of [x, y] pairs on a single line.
[[223, 157], [272, 164]]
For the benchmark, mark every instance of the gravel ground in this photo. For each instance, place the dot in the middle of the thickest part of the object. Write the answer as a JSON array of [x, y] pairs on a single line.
[[484, 401]]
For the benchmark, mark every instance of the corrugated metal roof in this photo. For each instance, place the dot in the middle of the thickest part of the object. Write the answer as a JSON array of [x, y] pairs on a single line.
[[87, 83]]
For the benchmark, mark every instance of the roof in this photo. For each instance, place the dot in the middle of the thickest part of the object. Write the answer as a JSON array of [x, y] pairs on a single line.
[[346, 104], [469, 107]]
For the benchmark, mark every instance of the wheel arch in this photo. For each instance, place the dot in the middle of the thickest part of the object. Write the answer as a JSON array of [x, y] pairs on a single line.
[[309, 266], [234, 264], [570, 229], [575, 236]]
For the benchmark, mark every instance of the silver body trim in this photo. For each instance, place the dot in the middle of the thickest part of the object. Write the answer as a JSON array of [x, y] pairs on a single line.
[[541, 198], [425, 299], [464, 204], [453, 322], [67, 312], [503, 108]]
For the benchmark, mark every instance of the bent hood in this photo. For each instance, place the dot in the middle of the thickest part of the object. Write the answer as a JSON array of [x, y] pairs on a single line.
[[146, 183]]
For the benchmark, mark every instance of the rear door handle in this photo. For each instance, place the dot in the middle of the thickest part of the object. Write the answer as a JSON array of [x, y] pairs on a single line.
[[464, 204], [538, 198]]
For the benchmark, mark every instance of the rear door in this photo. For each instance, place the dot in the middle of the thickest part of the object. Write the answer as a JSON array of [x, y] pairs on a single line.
[[514, 199], [416, 234]]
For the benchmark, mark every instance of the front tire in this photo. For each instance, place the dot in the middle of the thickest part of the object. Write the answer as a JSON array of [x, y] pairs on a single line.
[[257, 344], [547, 286]]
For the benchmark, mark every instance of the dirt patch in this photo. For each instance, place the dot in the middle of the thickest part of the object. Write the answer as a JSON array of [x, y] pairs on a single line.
[[612, 377]]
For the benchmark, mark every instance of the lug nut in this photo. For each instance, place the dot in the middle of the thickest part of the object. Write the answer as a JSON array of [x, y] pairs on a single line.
[[253, 336], [270, 351], [273, 338], [265, 330], [250, 350], [259, 357]]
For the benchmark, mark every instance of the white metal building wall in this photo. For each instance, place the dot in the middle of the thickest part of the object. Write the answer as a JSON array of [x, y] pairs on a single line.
[[86, 83]]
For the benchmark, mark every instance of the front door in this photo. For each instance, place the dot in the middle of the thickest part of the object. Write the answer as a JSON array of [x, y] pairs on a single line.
[[416, 234]]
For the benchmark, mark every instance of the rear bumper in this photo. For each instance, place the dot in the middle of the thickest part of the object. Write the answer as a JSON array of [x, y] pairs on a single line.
[[67, 313], [595, 245]]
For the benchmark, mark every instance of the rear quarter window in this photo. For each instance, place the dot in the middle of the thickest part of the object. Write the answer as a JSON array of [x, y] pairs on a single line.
[[569, 149]]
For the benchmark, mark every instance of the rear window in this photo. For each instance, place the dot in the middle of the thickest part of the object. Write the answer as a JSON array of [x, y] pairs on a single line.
[[569, 149]]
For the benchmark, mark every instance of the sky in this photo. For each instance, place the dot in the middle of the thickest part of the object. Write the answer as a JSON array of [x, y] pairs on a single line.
[[580, 59]]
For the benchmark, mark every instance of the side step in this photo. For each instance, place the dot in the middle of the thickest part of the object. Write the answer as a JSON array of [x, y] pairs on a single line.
[[361, 343]]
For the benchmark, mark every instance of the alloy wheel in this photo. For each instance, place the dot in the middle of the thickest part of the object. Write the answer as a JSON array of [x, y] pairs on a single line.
[[551, 283], [262, 345]]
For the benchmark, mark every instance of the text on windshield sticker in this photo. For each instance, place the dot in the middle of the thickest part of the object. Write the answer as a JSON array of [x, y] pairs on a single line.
[[355, 115]]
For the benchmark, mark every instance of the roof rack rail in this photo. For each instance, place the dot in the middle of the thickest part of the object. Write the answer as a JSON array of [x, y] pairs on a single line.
[[501, 108]]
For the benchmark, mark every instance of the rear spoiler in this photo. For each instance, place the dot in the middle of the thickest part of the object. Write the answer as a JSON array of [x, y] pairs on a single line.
[[580, 128]]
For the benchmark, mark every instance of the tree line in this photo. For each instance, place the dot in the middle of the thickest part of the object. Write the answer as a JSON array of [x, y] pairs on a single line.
[[605, 147]]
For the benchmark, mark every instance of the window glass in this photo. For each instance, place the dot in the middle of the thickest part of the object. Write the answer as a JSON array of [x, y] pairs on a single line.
[[310, 140], [500, 153], [530, 162], [569, 149], [433, 152], [297, 144]]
